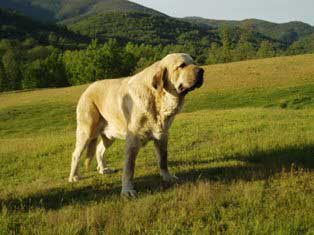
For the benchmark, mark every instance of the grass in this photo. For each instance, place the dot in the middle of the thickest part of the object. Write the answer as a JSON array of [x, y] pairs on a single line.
[[245, 161]]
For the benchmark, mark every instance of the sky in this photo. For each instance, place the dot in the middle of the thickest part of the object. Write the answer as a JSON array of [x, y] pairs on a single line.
[[278, 11]]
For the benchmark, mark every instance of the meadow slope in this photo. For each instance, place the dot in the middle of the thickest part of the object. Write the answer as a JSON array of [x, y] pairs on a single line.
[[243, 148]]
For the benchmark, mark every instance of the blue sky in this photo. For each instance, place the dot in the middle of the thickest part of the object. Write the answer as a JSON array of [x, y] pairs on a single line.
[[272, 10]]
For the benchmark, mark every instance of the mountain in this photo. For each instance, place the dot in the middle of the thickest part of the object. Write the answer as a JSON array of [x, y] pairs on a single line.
[[126, 20], [59, 10], [15, 26], [81, 8], [140, 27], [286, 32]]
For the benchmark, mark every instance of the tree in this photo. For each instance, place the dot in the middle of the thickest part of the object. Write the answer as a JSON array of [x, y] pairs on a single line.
[[244, 49], [80, 66], [191, 36], [304, 45], [33, 75], [3, 78], [29, 43], [289, 37], [6, 44], [113, 61], [55, 71], [53, 39], [266, 50], [109, 60], [145, 55], [215, 53], [247, 31], [226, 44], [99, 62], [49, 72], [11, 65], [39, 53]]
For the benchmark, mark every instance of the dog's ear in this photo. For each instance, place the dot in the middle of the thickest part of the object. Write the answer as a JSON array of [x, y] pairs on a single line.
[[160, 78]]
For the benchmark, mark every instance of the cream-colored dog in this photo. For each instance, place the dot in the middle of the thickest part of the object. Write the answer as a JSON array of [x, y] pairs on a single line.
[[138, 109]]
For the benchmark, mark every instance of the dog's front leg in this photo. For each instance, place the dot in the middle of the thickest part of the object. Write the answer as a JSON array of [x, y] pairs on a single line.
[[133, 145], [161, 147]]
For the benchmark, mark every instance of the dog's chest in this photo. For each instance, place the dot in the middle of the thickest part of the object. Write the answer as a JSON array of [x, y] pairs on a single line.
[[166, 111], [149, 129]]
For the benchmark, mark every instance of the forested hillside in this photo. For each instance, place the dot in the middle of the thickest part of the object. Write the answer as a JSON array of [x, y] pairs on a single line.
[[30, 52], [286, 32], [56, 10], [99, 39], [142, 28], [303, 46], [15, 26]]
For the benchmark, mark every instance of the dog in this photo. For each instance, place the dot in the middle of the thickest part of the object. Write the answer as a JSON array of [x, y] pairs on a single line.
[[137, 109]]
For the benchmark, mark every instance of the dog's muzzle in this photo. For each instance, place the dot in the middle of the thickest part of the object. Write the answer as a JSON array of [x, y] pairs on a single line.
[[199, 78], [199, 82]]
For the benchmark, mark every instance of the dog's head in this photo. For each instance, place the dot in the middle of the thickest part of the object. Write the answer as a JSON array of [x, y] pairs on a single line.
[[179, 74]]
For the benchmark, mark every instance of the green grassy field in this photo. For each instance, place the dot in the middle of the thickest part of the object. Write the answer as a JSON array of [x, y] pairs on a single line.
[[243, 148]]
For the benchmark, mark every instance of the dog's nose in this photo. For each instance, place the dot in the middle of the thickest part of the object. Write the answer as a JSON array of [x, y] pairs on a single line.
[[200, 73]]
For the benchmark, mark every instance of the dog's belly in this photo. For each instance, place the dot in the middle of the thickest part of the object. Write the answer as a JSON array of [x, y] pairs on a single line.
[[114, 132]]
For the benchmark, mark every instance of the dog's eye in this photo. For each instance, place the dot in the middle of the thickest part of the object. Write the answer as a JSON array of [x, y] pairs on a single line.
[[182, 65]]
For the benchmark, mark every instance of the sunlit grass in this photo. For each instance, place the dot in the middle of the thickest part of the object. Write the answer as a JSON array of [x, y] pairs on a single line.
[[245, 163]]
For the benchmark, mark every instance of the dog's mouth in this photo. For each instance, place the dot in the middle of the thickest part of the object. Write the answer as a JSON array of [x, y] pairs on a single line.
[[199, 82]]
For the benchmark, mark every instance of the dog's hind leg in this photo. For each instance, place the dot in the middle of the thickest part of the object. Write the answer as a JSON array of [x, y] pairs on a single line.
[[82, 140], [91, 150], [88, 125], [100, 155]]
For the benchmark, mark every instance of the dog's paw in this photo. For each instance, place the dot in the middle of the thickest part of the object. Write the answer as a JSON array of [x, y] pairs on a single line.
[[129, 193], [170, 178], [106, 171], [74, 179]]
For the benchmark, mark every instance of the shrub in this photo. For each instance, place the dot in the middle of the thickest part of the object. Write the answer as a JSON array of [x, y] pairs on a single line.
[[283, 104]]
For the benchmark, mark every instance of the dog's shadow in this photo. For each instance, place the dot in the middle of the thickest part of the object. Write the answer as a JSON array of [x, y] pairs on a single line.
[[259, 165]]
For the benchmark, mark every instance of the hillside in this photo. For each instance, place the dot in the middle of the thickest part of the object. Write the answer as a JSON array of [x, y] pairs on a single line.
[[262, 83], [140, 28], [82, 14], [154, 29], [243, 149], [128, 21], [56, 10], [15, 26], [67, 13], [286, 32], [304, 45], [119, 19]]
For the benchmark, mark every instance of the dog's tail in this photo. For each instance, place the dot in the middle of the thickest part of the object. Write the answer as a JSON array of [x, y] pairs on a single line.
[[91, 150]]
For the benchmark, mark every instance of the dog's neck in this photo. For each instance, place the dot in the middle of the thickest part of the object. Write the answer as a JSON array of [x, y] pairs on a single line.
[[167, 105]]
